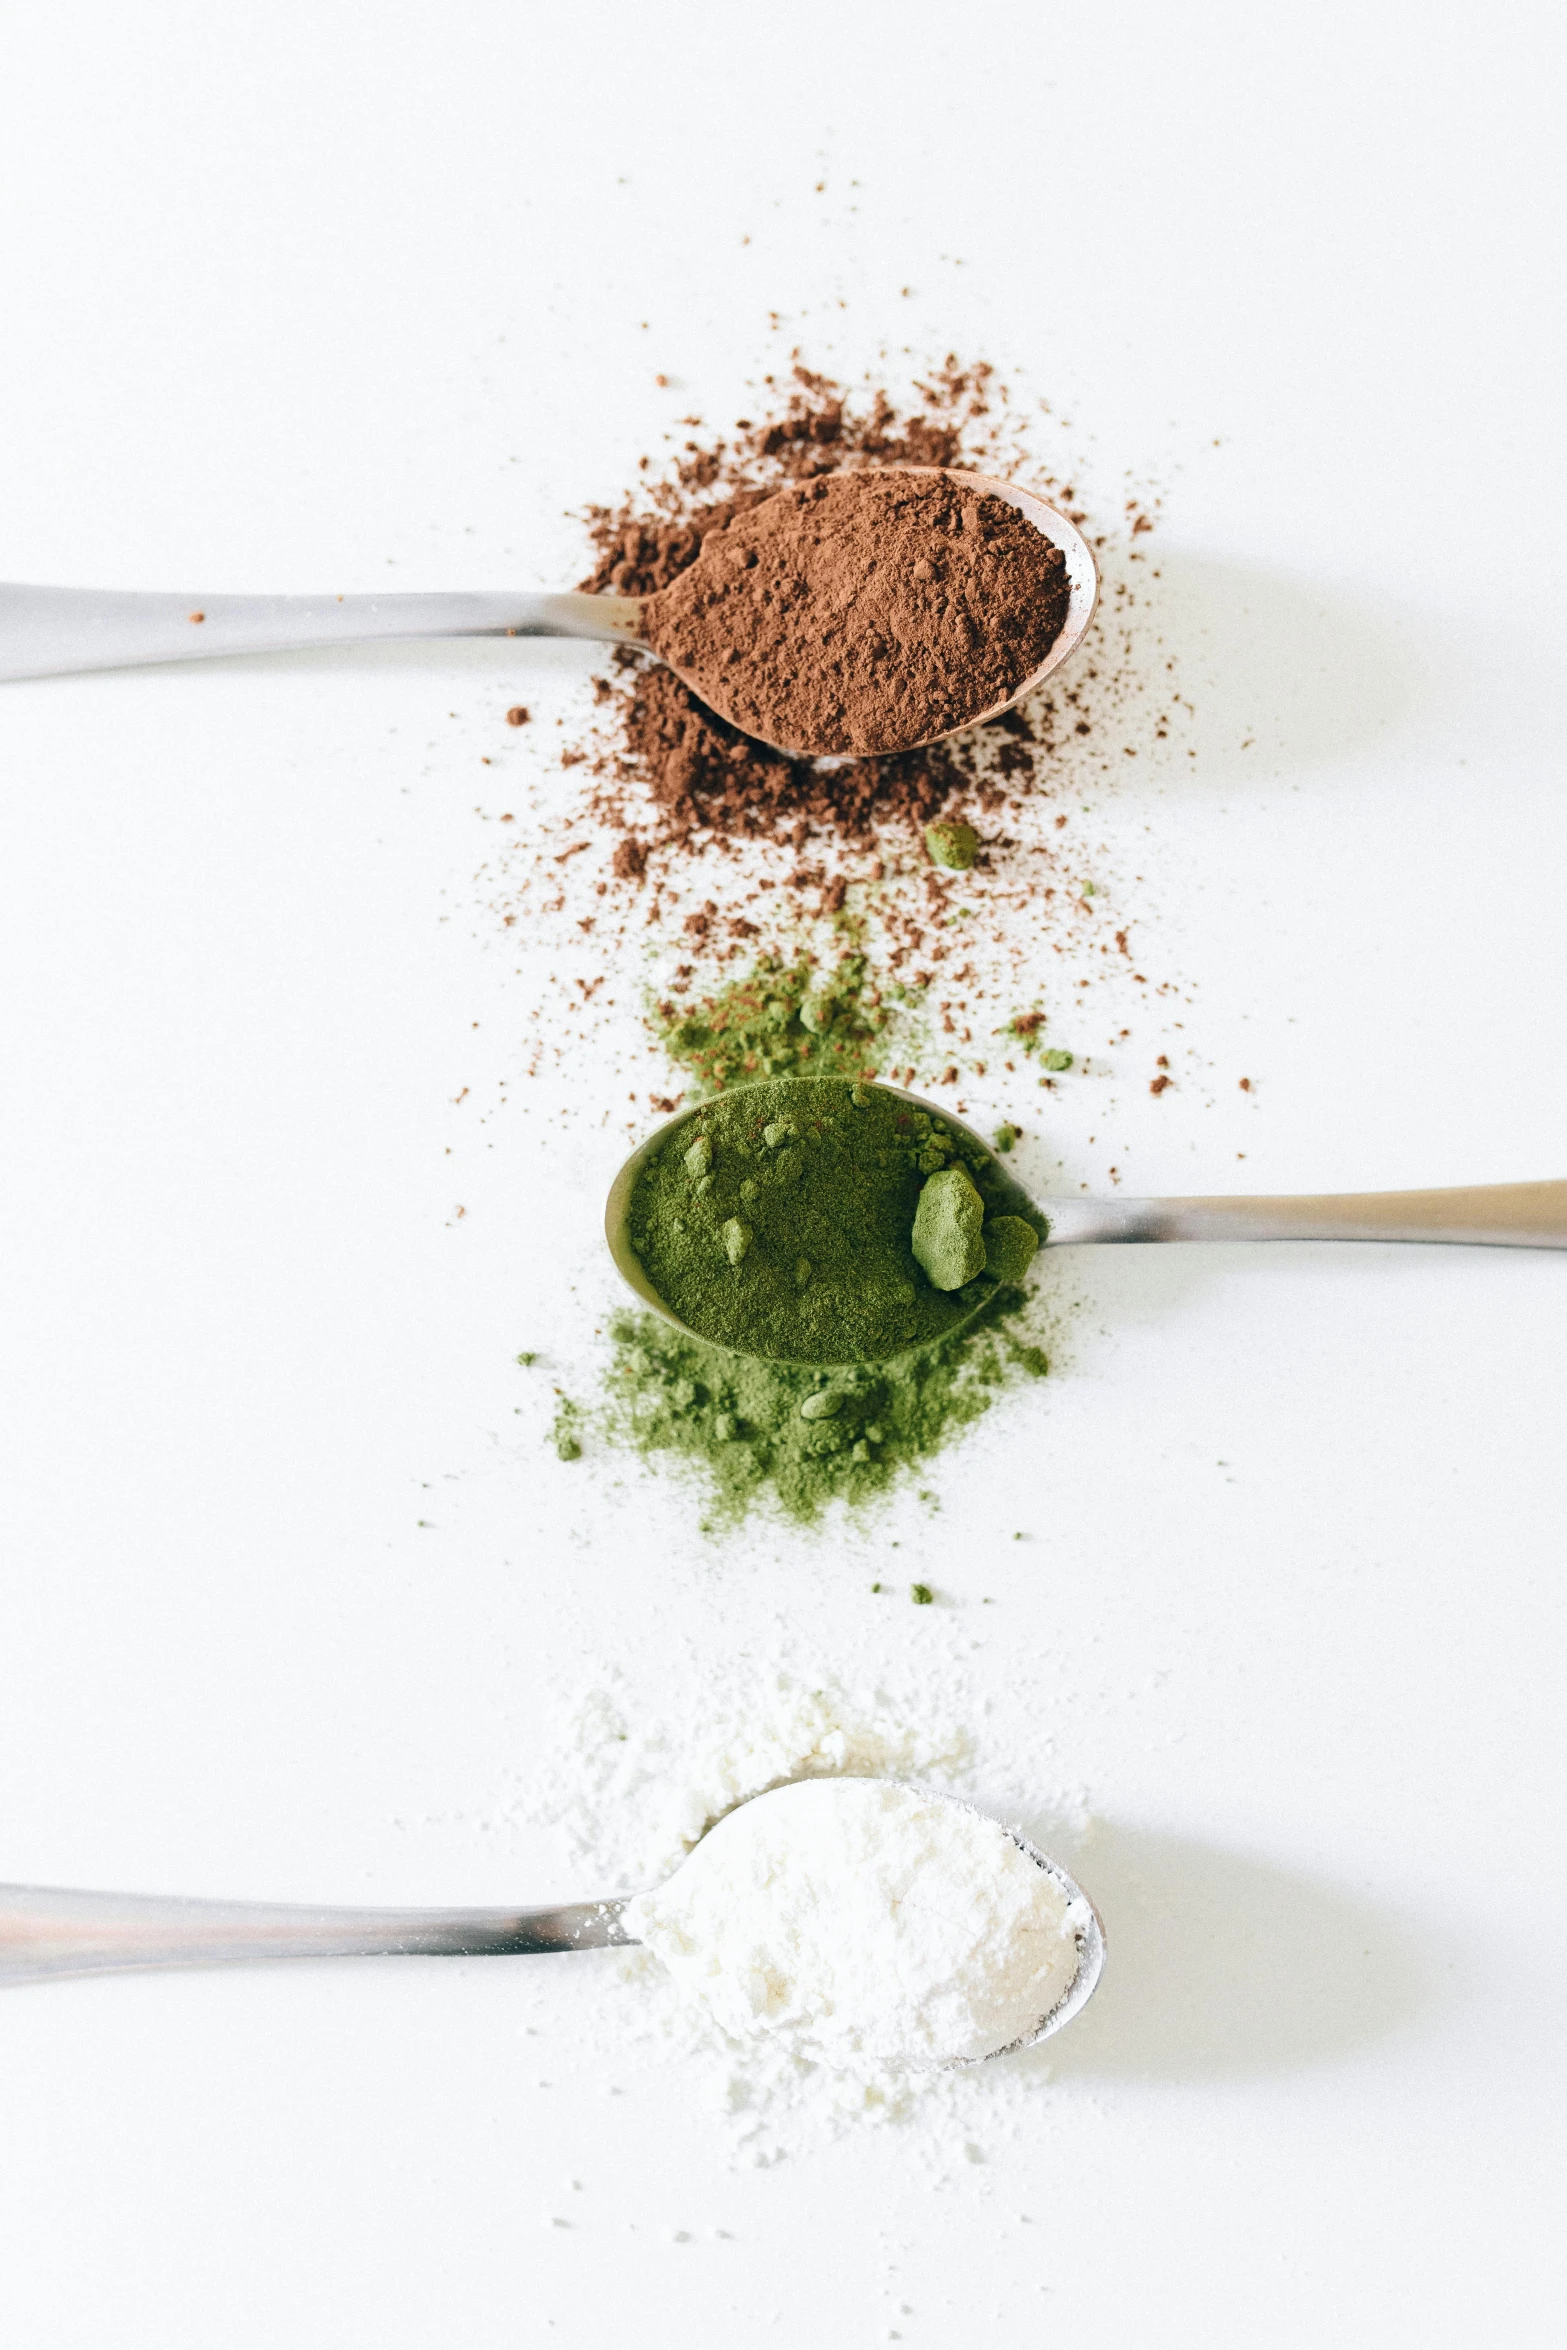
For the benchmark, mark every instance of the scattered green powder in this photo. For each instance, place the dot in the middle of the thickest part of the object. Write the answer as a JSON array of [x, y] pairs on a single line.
[[565, 1432], [814, 1221], [781, 1020], [741, 1425], [783, 1436], [922, 1595], [1027, 1029]]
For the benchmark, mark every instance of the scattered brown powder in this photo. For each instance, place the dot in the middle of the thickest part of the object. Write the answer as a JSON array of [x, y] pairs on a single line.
[[863, 611], [704, 777], [687, 785], [646, 541], [682, 851]]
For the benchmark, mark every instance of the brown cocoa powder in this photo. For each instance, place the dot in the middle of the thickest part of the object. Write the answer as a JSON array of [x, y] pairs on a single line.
[[643, 543], [862, 612], [705, 777], [683, 781], [693, 851]]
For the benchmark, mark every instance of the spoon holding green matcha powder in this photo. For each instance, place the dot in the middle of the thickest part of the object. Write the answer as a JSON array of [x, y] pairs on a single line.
[[816, 1221]]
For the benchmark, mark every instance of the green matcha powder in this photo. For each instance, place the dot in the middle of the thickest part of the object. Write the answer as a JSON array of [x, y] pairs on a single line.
[[814, 1221], [895, 1338]]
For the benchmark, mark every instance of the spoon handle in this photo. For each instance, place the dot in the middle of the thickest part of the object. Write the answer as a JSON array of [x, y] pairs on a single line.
[[52, 631], [1487, 1215], [46, 1931]]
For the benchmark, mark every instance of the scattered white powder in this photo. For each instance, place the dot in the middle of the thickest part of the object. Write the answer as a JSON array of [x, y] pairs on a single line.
[[632, 1795], [861, 1919], [635, 1770]]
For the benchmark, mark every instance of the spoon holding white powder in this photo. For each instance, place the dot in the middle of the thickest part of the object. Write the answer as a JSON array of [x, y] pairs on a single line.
[[868, 1921]]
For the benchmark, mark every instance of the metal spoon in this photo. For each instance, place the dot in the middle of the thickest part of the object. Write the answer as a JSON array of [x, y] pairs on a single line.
[[1485, 1215], [46, 1932], [57, 631]]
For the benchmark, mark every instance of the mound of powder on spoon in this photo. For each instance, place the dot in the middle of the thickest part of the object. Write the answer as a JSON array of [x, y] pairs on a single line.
[[808, 1220], [865, 1921], [863, 612]]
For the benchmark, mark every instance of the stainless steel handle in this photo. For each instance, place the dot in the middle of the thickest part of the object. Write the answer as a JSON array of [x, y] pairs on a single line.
[[1487, 1215], [53, 631], [47, 1931]]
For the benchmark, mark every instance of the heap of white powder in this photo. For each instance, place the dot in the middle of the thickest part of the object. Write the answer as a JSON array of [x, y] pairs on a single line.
[[865, 1922], [631, 1778]]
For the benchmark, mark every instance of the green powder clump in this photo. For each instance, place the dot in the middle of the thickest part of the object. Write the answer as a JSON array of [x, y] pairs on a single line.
[[1010, 1246], [947, 1223], [827, 1223], [783, 1437], [566, 1435], [952, 843], [780, 1020]]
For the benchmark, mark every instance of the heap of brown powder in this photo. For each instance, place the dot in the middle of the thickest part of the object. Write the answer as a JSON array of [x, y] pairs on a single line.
[[698, 848], [667, 756], [863, 611]]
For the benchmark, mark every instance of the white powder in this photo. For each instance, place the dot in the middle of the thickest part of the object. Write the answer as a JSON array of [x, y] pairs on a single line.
[[864, 1921], [631, 1790], [638, 1766]]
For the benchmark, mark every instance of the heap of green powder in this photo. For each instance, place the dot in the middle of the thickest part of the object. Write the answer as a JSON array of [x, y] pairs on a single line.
[[783, 1019], [814, 1221], [775, 1433]]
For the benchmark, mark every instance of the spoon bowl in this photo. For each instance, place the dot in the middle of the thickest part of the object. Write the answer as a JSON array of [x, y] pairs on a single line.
[[1088, 1931], [1082, 597], [1010, 1200]]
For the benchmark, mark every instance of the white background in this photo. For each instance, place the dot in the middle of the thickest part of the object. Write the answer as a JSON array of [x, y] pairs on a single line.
[[341, 296]]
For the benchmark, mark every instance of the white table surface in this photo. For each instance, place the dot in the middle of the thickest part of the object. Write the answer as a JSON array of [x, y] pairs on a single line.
[[290, 295]]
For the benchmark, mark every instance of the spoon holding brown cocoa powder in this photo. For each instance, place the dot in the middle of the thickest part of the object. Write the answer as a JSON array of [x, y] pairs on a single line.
[[875, 611], [859, 613]]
